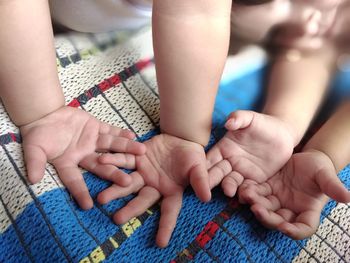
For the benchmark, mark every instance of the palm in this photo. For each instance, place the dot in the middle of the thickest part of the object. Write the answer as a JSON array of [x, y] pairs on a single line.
[[168, 167], [255, 147], [292, 200], [70, 137]]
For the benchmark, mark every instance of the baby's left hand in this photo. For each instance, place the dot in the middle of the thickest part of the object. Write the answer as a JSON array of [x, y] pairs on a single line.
[[168, 167], [291, 201]]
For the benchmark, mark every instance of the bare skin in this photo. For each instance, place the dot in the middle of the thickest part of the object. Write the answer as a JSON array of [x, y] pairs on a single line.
[[291, 201], [176, 158], [187, 102], [257, 145], [171, 164], [32, 95], [242, 152], [291, 103], [168, 167], [68, 138]]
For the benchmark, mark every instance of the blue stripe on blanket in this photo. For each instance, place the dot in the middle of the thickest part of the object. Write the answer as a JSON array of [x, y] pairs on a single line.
[[81, 234], [241, 239]]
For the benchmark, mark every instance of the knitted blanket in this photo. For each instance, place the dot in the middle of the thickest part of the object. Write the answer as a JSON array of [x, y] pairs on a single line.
[[112, 76]]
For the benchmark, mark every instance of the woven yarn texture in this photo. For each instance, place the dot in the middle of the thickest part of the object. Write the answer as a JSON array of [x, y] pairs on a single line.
[[112, 76]]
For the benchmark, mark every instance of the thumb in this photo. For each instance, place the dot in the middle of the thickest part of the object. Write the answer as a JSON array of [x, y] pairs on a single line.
[[35, 160], [199, 180], [239, 120], [331, 185]]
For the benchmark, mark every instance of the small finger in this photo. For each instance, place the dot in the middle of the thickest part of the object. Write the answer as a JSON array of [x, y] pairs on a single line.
[[105, 171], [270, 202], [170, 209], [247, 183], [218, 172], [263, 189], [115, 191], [144, 199], [305, 225], [331, 185], [231, 182], [286, 214], [297, 231], [35, 160], [255, 194], [214, 156], [73, 180], [127, 161], [108, 142], [199, 181], [267, 218], [115, 131]]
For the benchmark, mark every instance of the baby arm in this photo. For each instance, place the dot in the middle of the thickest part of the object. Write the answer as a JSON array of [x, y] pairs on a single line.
[[29, 85], [190, 46], [32, 95], [296, 87]]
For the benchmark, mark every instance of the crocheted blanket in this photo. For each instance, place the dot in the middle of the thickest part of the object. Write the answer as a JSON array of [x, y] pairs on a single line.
[[112, 76]]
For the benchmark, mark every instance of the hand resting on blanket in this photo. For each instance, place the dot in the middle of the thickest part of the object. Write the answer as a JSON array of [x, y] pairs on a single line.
[[68, 138], [168, 167], [291, 201]]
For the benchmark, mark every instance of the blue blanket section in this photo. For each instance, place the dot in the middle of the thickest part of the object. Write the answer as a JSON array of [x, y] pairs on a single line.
[[69, 234], [54, 229]]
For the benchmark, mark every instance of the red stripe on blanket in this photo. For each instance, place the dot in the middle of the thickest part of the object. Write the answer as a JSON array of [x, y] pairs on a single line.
[[13, 137], [143, 63], [109, 83], [207, 234]]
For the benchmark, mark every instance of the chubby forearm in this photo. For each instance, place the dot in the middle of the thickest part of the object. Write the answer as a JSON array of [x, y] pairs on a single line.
[[333, 137], [296, 88], [190, 46], [29, 85]]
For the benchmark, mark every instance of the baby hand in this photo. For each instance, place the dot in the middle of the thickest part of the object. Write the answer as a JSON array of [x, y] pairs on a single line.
[[68, 138], [291, 201], [168, 167], [254, 147]]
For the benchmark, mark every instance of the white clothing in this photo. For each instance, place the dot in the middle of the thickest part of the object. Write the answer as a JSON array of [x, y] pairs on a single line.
[[100, 15]]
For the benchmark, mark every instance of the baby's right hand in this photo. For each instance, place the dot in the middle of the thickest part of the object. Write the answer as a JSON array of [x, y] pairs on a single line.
[[254, 147], [68, 138]]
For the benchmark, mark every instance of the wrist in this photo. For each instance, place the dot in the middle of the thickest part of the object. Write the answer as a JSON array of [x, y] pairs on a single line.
[[201, 138], [294, 133], [35, 113], [58, 116], [319, 151]]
